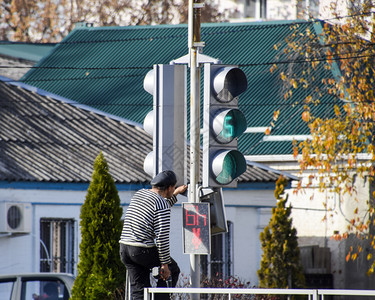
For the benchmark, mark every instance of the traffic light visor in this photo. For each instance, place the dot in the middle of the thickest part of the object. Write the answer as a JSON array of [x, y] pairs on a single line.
[[228, 165], [148, 123], [228, 124], [229, 82], [148, 164], [149, 82]]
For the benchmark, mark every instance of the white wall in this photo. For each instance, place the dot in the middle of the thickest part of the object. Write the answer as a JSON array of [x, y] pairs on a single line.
[[320, 216], [328, 211], [317, 216], [20, 253], [326, 9], [275, 9], [282, 10]]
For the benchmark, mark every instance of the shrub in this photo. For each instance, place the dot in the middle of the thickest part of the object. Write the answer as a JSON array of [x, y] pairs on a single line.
[[100, 270]]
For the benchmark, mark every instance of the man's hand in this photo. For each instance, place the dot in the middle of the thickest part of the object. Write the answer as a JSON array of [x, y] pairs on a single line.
[[164, 271], [179, 190]]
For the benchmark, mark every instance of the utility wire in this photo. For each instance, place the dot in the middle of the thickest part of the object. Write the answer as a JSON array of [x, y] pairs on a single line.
[[6, 104], [341, 56], [77, 68], [88, 77]]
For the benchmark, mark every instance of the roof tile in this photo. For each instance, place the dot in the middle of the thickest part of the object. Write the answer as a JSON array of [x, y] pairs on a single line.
[[46, 140]]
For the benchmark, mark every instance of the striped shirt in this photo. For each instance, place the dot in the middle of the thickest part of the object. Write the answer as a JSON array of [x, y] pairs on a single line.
[[147, 222]]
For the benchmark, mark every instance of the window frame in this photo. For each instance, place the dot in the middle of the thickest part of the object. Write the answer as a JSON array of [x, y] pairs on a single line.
[[57, 244]]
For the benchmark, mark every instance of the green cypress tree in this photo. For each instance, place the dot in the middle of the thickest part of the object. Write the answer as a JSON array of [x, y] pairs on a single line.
[[100, 270], [280, 265]]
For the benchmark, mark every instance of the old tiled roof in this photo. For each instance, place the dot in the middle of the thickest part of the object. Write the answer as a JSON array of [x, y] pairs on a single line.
[[45, 139], [16, 58], [104, 68], [13, 68]]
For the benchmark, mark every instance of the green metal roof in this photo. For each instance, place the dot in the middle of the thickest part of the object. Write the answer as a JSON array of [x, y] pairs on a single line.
[[105, 67], [28, 51]]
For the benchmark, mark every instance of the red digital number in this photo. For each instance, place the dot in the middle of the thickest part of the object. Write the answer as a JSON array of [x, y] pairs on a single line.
[[188, 217], [192, 217]]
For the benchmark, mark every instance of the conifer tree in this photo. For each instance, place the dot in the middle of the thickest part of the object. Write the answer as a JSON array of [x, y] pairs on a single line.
[[280, 264], [100, 270]]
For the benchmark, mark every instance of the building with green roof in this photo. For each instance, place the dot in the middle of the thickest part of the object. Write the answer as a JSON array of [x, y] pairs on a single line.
[[105, 67]]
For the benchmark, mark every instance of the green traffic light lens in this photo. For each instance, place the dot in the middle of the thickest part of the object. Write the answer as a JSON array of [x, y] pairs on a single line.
[[229, 170], [230, 124], [231, 165]]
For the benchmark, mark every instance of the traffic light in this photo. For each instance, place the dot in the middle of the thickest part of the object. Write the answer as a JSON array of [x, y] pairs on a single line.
[[167, 121], [223, 123], [214, 197]]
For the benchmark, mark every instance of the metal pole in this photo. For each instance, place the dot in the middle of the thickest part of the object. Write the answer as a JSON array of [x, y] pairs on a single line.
[[193, 39]]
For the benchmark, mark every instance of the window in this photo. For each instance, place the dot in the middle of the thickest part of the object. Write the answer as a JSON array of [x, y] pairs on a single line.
[[263, 9], [36, 286], [44, 289], [6, 288], [57, 245], [219, 264], [256, 9]]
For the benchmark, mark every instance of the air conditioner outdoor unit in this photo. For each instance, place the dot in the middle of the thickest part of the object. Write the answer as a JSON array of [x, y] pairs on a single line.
[[15, 217]]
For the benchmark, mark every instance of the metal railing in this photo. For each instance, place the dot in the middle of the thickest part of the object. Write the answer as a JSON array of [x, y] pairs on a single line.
[[312, 294], [332, 292]]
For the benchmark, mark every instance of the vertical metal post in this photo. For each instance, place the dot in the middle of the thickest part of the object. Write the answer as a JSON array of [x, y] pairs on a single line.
[[127, 286], [193, 39], [146, 295]]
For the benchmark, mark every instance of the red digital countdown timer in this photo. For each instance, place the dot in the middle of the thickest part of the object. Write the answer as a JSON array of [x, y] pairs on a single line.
[[196, 228]]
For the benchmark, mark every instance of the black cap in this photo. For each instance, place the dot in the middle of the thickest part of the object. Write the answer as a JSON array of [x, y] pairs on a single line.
[[164, 179]]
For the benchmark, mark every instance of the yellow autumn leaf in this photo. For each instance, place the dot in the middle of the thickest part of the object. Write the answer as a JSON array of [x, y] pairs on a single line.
[[306, 116], [276, 115], [295, 152], [329, 56], [337, 111], [293, 82]]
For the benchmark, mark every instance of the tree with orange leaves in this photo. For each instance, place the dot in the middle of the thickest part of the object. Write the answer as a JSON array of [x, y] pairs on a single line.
[[342, 144]]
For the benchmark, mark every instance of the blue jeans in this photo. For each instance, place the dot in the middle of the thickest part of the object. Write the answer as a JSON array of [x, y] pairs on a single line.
[[139, 261]]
